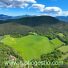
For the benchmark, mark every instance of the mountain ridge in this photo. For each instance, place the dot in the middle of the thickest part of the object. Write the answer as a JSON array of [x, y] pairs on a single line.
[[63, 18], [39, 24]]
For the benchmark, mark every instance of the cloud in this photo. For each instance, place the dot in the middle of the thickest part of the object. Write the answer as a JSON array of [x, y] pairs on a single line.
[[16, 3], [28, 1], [53, 9], [39, 6], [44, 9], [64, 13]]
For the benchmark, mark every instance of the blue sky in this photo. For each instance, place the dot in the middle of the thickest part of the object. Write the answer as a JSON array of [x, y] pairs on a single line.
[[34, 7]]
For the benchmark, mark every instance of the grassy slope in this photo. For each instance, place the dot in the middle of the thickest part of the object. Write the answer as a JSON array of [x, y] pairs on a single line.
[[31, 46], [56, 42], [64, 49]]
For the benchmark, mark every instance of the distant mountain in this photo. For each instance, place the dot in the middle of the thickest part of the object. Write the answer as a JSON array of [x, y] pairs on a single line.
[[5, 17], [22, 16], [36, 20], [63, 18], [40, 24]]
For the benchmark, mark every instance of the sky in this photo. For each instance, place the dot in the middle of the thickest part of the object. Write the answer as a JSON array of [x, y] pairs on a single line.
[[34, 7]]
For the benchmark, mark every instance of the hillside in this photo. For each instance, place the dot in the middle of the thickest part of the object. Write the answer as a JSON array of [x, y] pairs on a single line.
[[32, 46], [6, 53], [37, 20], [38, 37], [43, 25], [39, 24]]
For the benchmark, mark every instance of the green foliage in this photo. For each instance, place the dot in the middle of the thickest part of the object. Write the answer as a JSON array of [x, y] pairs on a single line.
[[31, 46], [48, 60], [53, 56], [63, 49], [43, 25], [5, 52], [52, 34]]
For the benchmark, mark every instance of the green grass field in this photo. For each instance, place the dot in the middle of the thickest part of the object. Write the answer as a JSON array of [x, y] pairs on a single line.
[[64, 49], [31, 46]]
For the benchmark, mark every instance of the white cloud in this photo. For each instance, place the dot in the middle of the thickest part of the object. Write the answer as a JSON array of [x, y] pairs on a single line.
[[39, 6], [16, 3], [64, 13], [53, 9], [28, 1], [61, 13]]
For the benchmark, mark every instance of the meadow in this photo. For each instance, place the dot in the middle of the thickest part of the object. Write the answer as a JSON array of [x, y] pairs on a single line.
[[32, 46]]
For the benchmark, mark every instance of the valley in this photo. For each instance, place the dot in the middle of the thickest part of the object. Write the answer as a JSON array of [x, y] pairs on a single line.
[[38, 38]]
